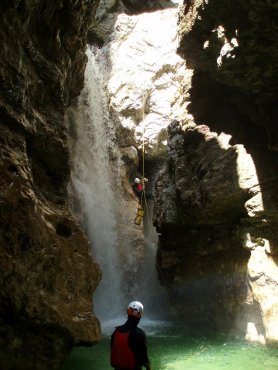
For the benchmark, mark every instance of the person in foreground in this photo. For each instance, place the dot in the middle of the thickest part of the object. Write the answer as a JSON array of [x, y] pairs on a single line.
[[129, 343]]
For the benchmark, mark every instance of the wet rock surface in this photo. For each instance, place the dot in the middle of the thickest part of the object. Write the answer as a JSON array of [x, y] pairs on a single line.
[[47, 271]]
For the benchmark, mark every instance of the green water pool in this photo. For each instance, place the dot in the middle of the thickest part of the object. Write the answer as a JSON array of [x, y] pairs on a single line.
[[179, 352]]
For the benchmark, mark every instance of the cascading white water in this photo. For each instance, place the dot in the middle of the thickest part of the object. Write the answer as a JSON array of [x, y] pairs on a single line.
[[92, 181], [127, 275]]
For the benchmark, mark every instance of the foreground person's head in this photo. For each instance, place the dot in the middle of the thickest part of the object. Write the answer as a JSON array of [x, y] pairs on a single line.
[[135, 310]]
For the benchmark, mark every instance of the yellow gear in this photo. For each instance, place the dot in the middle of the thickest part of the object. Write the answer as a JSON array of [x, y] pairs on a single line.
[[139, 216]]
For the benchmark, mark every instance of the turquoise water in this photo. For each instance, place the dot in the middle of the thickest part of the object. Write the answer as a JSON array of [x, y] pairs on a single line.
[[169, 351]]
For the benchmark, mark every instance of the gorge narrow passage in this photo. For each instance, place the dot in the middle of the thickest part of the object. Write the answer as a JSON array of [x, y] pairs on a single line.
[[144, 102], [91, 90]]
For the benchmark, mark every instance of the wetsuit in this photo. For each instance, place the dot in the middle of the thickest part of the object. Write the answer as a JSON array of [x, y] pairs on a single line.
[[137, 188], [137, 343]]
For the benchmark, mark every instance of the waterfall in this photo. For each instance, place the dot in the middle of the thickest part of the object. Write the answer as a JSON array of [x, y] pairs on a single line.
[[92, 181], [126, 260]]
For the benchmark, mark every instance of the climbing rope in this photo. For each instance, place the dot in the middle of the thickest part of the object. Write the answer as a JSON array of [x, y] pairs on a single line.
[[143, 195], [143, 135], [143, 201], [143, 154], [143, 148]]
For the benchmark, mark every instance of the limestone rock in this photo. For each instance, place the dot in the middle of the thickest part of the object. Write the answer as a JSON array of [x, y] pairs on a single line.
[[144, 74], [194, 154], [216, 205], [210, 213], [235, 44], [47, 271], [108, 11], [145, 78]]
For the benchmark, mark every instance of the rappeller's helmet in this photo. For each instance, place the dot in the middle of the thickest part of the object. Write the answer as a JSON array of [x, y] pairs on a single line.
[[135, 308], [136, 180]]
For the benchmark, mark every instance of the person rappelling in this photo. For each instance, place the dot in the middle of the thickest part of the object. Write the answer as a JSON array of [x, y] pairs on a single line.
[[139, 190], [138, 186]]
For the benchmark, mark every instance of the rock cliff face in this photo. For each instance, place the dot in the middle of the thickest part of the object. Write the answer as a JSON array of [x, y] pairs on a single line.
[[216, 206], [235, 45], [47, 272], [145, 81], [145, 74]]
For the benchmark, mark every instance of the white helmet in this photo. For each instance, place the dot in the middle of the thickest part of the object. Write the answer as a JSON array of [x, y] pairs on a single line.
[[136, 180], [135, 308]]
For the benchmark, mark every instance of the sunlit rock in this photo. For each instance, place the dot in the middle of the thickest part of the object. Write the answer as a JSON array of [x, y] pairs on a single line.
[[252, 334], [199, 161], [263, 273], [146, 77]]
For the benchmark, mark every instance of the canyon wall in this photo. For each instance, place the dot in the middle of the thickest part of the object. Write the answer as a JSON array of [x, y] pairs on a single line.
[[216, 201], [48, 274], [216, 205]]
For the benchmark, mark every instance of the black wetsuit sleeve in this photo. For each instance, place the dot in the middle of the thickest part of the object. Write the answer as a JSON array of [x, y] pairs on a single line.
[[138, 344]]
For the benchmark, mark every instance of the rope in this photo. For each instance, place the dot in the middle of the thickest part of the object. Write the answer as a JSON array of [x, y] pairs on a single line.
[[143, 195], [143, 160], [143, 156], [143, 150], [143, 147]]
